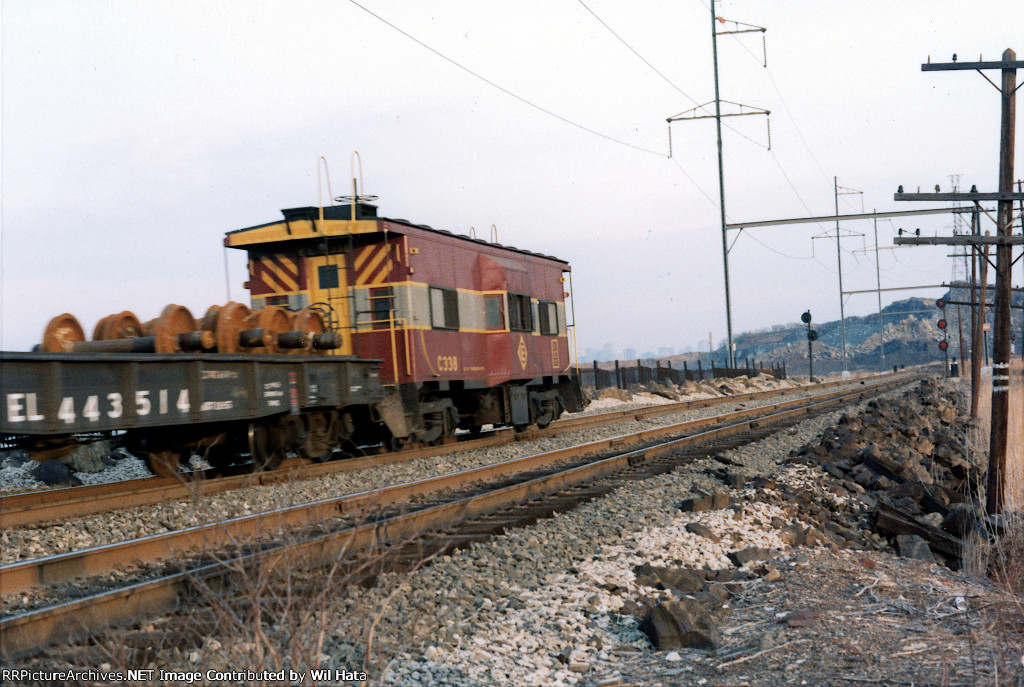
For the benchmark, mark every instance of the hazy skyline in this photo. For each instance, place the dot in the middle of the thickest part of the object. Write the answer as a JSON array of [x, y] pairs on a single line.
[[134, 135]]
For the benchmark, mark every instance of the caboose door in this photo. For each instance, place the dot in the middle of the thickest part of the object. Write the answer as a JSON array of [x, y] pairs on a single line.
[[329, 293]]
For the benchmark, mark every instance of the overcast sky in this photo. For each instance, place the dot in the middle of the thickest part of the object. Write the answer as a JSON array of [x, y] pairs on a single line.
[[134, 134]]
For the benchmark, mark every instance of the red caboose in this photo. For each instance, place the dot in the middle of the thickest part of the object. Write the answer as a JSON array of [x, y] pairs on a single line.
[[469, 332]]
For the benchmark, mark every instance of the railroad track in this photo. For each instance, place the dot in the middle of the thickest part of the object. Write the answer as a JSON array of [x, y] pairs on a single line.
[[30, 508], [362, 522]]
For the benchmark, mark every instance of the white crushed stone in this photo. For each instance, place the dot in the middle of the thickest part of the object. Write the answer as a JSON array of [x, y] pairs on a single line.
[[15, 479], [502, 611]]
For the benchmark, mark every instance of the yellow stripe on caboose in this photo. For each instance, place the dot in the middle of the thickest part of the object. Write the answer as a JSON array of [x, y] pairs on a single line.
[[287, 281], [368, 265]]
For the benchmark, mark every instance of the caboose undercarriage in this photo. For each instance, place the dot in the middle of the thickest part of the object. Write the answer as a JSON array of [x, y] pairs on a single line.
[[428, 413]]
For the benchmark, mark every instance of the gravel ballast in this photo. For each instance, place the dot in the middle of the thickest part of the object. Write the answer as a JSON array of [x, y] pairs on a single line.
[[533, 606], [61, 537]]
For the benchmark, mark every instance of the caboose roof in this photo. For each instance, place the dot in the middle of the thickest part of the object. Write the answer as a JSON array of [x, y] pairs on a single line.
[[305, 224]]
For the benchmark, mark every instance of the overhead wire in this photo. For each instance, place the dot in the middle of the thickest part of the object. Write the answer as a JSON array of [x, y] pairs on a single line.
[[694, 182], [659, 73], [502, 88], [633, 50], [789, 114], [777, 252], [702, 107], [664, 78]]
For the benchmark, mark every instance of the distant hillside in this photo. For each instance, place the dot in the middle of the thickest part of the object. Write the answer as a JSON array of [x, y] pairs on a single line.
[[910, 337]]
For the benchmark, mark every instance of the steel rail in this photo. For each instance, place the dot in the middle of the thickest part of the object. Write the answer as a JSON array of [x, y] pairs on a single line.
[[29, 508], [22, 575], [65, 622]]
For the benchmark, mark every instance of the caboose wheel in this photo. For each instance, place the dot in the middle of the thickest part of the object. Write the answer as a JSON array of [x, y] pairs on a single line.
[[265, 455]]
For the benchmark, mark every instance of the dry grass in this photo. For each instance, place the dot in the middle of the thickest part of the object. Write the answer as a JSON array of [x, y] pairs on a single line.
[[265, 616]]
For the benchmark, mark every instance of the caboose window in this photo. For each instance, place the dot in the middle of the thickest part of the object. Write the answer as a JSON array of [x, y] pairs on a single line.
[[519, 313], [548, 315], [444, 308], [382, 302], [328, 275], [494, 316]]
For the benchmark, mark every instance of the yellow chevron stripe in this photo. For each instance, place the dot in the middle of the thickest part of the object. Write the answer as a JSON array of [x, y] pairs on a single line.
[[368, 271], [366, 254], [273, 281], [379, 276], [288, 283]]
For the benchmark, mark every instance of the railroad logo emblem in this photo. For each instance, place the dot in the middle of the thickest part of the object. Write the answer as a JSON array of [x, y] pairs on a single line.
[[522, 353]]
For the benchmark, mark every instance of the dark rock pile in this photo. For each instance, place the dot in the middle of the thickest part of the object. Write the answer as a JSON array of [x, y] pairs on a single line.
[[691, 618], [895, 478], [900, 475]]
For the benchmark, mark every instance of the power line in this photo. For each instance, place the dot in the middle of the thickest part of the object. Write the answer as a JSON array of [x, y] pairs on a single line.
[[659, 73], [765, 245], [694, 182], [502, 88], [789, 113], [632, 50]]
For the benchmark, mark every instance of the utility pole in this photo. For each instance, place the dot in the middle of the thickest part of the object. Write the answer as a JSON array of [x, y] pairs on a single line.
[[721, 189], [721, 169], [979, 351], [839, 261], [878, 285], [1004, 263], [1003, 242]]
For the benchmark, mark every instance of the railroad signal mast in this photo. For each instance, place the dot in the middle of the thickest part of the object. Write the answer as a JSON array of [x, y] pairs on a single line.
[[1004, 242], [812, 336], [944, 344]]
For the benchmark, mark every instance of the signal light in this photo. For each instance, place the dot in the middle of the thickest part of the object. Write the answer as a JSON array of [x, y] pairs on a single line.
[[942, 324], [812, 335], [940, 303], [943, 345]]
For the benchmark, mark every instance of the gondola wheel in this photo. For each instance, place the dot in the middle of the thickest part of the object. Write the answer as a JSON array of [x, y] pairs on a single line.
[[320, 437], [230, 320], [164, 463], [311, 322], [272, 320], [265, 455]]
